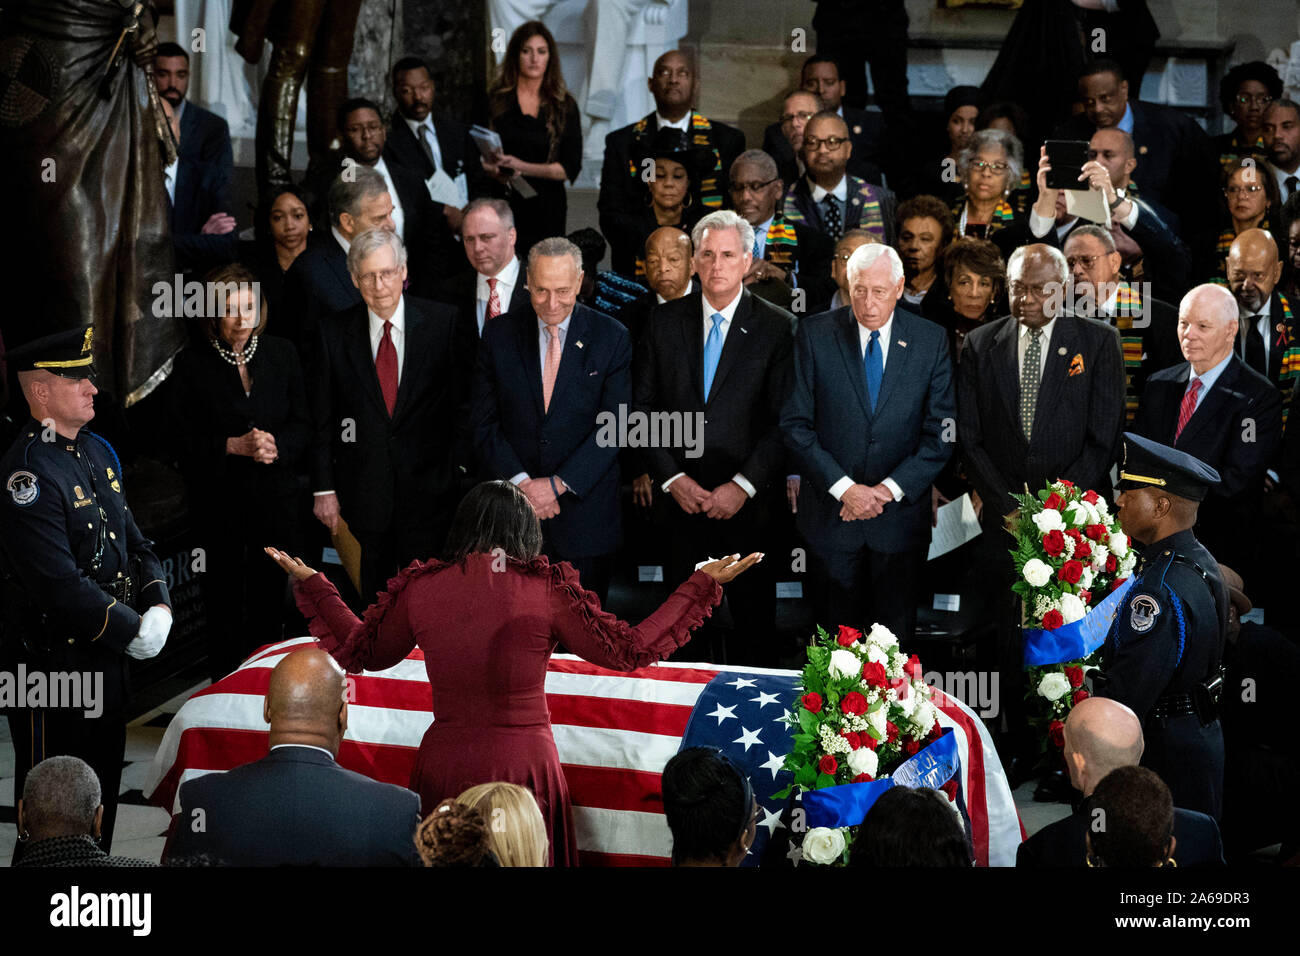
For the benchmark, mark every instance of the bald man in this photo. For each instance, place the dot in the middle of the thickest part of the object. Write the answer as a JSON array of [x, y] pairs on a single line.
[[1216, 408], [1266, 337], [1100, 736], [296, 806]]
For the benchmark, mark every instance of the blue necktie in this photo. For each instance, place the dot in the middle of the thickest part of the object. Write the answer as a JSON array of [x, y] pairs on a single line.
[[712, 352], [758, 253], [875, 368]]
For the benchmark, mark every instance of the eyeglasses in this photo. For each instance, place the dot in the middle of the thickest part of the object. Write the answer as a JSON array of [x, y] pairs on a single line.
[[1019, 289], [1238, 190], [739, 189], [831, 143], [788, 118], [372, 279], [1254, 99], [979, 166], [1086, 261], [370, 129]]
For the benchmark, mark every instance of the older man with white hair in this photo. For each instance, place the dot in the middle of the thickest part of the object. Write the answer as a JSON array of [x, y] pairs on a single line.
[[390, 395], [869, 422], [1217, 408]]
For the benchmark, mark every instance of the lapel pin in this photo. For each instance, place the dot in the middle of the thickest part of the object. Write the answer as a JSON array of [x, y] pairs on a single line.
[[902, 344], [578, 344], [745, 330], [1061, 350]]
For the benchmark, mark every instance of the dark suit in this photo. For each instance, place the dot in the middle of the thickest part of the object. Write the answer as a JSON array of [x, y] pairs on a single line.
[[1283, 345], [1235, 430], [866, 133], [513, 433], [316, 285], [868, 567], [295, 807], [1063, 843], [798, 207], [201, 189], [459, 154], [461, 291], [205, 137], [396, 478], [740, 421]]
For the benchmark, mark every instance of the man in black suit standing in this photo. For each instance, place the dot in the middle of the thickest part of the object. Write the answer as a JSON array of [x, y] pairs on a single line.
[[720, 359], [199, 201], [548, 374], [1216, 408], [496, 284], [869, 424], [205, 136], [1268, 340], [296, 806], [1100, 735], [672, 84], [389, 399], [1040, 396]]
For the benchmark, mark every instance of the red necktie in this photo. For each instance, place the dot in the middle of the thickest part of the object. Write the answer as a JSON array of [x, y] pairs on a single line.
[[386, 368], [1188, 406], [494, 301]]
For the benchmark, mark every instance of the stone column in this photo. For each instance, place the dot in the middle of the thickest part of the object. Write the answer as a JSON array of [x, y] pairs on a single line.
[[377, 46]]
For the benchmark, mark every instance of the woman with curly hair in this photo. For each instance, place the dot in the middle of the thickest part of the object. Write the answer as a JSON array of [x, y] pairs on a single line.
[[487, 620]]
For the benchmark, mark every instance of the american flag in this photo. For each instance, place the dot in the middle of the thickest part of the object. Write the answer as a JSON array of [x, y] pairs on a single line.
[[614, 732]]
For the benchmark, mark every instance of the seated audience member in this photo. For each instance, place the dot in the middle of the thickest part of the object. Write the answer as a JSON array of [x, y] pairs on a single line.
[[1139, 814], [1245, 93], [200, 203], [990, 169], [1282, 140], [820, 74], [1261, 768], [711, 808], [516, 830], [783, 140], [604, 291], [1101, 735], [676, 171], [455, 835], [669, 271], [496, 285], [844, 250], [296, 806], [937, 174], [829, 199], [975, 290], [925, 228], [318, 283], [1251, 198], [1267, 340], [60, 816], [786, 255], [283, 226], [911, 827], [1010, 118]]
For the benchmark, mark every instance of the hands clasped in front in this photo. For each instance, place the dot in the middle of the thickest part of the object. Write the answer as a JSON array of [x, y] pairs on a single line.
[[155, 625], [255, 444], [722, 502], [862, 502], [542, 496]]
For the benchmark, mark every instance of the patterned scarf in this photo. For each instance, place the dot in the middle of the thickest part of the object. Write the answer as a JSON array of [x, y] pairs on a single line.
[[862, 196], [701, 133]]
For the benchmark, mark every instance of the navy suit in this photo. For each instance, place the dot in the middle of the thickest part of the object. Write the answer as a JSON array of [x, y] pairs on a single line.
[[1062, 843], [295, 807], [513, 434], [316, 285], [205, 137], [832, 431]]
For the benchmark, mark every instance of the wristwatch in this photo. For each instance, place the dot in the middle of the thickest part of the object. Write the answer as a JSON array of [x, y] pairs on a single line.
[[1119, 198]]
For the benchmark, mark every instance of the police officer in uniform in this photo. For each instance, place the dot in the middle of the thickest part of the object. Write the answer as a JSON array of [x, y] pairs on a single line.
[[1162, 656], [82, 590]]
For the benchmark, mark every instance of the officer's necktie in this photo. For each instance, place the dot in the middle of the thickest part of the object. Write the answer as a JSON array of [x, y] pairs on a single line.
[[712, 352], [874, 366], [1255, 347], [1291, 183], [494, 301], [552, 366], [831, 217], [425, 134], [1188, 406], [1029, 376], [386, 368]]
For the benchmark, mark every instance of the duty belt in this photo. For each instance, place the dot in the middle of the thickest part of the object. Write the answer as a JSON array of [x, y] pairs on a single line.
[[1175, 705], [121, 588]]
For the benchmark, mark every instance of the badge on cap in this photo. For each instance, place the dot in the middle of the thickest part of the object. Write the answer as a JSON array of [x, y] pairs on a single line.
[[1143, 613], [22, 485]]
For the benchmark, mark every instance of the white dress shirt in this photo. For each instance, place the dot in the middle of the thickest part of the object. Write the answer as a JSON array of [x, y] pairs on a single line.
[[864, 339], [399, 217], [398, 334], [307, 746], [727, 312], [417, 128], [1022, 345], [840, 192], [507, 279], [169, 178], [341, 239], [543, 342], [1262, 324], [683, 124]]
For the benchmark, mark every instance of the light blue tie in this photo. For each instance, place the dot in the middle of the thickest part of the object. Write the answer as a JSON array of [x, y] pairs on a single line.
[[875, 368], [758, 253], [712, 352]]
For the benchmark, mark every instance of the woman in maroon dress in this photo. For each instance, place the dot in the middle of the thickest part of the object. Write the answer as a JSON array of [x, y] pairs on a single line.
[[488, 621]]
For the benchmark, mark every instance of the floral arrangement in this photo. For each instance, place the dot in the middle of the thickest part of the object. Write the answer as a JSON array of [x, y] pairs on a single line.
[[865, 708], [1070, 554]]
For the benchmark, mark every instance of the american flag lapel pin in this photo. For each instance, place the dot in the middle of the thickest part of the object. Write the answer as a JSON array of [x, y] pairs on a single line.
[[578, 344], [902, 344]]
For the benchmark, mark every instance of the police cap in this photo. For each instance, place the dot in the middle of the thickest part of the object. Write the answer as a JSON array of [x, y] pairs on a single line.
[[70, 354], [1148, 464]]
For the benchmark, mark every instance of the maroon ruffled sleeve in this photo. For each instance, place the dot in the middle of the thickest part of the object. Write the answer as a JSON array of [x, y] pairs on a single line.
[[595, 635]]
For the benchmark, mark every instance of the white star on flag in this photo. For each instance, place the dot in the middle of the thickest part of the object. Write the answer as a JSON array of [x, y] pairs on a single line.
[[795, 853], [763, 699], [741, 682], [722, 713], [771, 820], [748, 738], [774, 763]]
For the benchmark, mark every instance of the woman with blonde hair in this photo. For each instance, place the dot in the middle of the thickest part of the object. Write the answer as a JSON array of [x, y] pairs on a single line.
[[516, 830]]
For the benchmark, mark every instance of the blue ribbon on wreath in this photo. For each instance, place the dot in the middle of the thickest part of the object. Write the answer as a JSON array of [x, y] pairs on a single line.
[[1073, 642]]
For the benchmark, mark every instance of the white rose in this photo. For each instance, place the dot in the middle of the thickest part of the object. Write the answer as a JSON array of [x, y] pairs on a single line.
[[907, 703], [881, 635], [1118, 544], [844, 664], [823, 845], [1049, 519], [877, 655], [1085, 580], [1077, 512], [1037, 572], [878, 719], [1127, 564], [1053, 686], [923, 717], [1072, 609], [863, 760]]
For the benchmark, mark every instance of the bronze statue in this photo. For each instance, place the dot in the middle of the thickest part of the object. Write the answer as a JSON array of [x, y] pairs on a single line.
[[311, 39], [82, 149]]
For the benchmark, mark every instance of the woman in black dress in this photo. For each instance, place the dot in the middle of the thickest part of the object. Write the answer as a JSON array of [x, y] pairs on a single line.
[[280, 236], [541, 135], [241, 427]]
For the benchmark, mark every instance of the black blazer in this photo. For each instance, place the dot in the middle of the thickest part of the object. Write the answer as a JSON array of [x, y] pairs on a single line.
[[1077, 418], [866, 133], [1276, 321], [205, 137], [295, 807], [513, 434], [202, 189], [743, 408], [317, 285], [831, 430], [403, 468], [1196, 835], [459, 154]]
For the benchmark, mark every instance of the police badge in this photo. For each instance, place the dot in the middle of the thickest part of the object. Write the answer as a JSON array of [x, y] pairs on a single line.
[[22, 485], [1143, 613]]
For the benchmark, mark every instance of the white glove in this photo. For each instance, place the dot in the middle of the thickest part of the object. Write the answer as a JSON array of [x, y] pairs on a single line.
[[155, 624]]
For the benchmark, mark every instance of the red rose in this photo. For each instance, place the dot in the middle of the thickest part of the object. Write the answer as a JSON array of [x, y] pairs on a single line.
[[853, 703], [1055, 732], [848, 635], [1052, 620], [1075, 676], [1085, 597], [1070, 572], [911, 747], [1073, 535], [891, 732], [868, 741], [950, 788], [1117, 582], [1054, 501], [1095, 531], [852, 737], [812, 702], [863, 778], [1079, 695], [913, 667], [1091, 497], [1062, 481], [1083, 550], [874, 674], [935, 732], [1054, 543], [827, 764], [1111, 564]]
